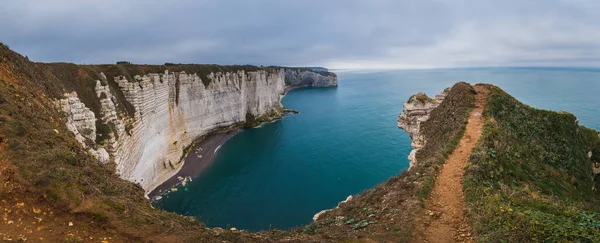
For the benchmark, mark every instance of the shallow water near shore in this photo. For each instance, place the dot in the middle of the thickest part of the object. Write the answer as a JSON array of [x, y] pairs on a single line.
[[345, 140]]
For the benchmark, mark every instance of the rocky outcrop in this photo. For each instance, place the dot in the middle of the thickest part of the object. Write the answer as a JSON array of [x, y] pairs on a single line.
[[81, 121], [168, 111], [307, 77], [416, 111], [318, 215]]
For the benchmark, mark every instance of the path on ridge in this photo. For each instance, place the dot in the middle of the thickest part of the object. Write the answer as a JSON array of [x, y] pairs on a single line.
[[445, 218]]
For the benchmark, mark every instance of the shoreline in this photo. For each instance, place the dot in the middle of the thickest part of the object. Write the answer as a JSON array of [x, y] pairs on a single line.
[[204, 152], [290, 88], [194, 165]]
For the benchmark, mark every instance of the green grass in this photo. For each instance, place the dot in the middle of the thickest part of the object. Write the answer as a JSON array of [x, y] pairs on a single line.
[[423, 98], [55, 169], [530, 179]]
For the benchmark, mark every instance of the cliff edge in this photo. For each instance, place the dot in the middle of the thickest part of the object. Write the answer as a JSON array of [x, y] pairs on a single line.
[[532, 176], [298, 77], [416, 111], [144, 117], [388, 211], [70, 134]]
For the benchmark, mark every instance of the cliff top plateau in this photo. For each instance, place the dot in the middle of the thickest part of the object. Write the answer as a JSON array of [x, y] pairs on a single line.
[[530, 175]]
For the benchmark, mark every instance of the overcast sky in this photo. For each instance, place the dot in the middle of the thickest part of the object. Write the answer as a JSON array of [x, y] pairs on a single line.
[[331, 33]]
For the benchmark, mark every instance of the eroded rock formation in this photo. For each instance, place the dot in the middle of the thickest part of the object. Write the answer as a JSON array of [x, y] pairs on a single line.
[[81, 121], [416, 111], [169, 110], [302, 77]]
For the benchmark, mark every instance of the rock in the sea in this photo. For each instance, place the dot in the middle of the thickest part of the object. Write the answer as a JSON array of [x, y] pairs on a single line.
[[416, 111]]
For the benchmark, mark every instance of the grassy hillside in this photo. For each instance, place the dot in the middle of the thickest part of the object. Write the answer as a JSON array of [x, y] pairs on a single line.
[[82, 78], [530, 178], [387, 212], [41, 164]]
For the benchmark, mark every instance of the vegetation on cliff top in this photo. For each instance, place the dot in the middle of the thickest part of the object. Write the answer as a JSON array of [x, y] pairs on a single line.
[[82, 78], [421, 97], [387, 212], [42, 164], [530, 178], [68, 77], [53, 171]]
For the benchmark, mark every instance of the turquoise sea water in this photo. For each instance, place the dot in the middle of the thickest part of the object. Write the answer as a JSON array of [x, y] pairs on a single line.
[[346, 139]]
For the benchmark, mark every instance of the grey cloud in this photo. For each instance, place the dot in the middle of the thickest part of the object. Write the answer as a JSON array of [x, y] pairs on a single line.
[[336, 33]]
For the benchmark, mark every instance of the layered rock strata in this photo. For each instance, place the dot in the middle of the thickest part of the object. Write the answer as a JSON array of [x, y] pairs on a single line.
[[305, 77], [170, 111], [416, 111], [81, 121]]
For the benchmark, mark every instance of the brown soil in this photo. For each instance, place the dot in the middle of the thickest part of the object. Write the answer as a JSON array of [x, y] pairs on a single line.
[[26, 217], [445, 218], [47, 181]]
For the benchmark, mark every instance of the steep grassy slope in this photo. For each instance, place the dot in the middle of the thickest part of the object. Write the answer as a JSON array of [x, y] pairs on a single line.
[[42, 164], [52, 168], [530, 178], [387, 212], [82, 78]]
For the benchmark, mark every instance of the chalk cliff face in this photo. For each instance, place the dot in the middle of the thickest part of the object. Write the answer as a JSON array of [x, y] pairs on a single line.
[[303, 77], [81, 121], [171, 110], [416, 111]]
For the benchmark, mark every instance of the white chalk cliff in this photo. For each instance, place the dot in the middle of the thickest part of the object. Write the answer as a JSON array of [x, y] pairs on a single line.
[[416, 111], [81, 121], [303, 77], [171, 110]]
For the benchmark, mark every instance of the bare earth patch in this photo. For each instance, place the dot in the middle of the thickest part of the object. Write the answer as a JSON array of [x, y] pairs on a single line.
[[445, 215]]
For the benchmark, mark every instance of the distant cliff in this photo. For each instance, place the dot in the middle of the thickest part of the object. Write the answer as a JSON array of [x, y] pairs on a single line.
[[308, 77], [143, 117], [533, 176]]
